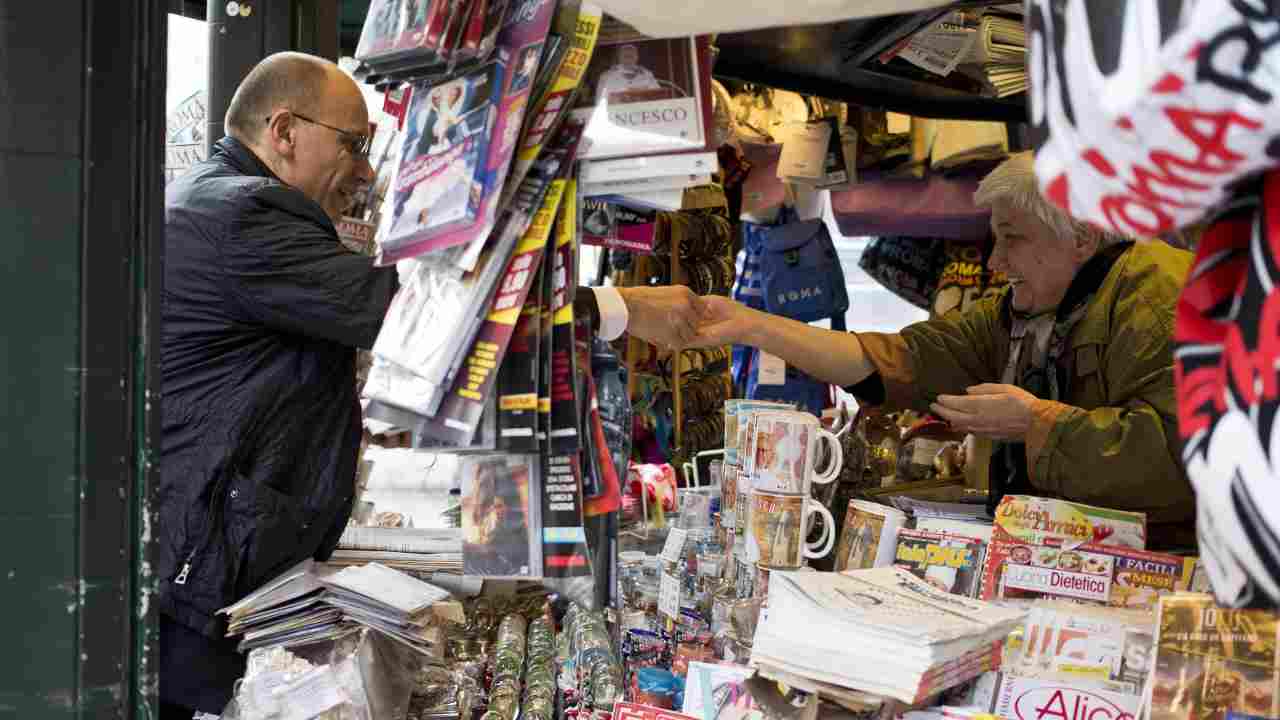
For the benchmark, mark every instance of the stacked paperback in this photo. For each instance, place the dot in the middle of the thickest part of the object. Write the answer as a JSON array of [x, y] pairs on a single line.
[[407, 549], [311, 603], [1002, 44], [883, 631]]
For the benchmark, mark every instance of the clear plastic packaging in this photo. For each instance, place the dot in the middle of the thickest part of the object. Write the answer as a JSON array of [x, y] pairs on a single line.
[[364, 675]]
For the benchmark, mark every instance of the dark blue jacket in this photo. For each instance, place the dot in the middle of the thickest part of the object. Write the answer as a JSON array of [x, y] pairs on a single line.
[[261, 312]]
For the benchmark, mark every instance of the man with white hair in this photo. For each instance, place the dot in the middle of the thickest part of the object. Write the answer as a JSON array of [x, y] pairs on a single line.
[[1070, 370]]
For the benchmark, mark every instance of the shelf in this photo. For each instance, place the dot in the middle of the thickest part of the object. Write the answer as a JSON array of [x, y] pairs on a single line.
[[839, 61]]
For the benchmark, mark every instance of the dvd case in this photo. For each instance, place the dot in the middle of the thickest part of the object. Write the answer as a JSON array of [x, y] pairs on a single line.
[[501, 524], [383, 27], [440, 180], [522, 35]]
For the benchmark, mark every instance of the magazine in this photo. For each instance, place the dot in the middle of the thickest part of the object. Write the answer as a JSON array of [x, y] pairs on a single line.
[[1212, 662], [950, 563], [564, 388], [501, 510], [615, 226], [1101, 574], [554, 105], [440, 180], [646, 96], [458, 418], [518, 377]]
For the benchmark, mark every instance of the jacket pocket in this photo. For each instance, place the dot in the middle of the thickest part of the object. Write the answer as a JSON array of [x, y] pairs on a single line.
[[266, 529]]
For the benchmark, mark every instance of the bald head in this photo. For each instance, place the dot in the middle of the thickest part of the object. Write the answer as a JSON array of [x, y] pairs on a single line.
[[297, 81]]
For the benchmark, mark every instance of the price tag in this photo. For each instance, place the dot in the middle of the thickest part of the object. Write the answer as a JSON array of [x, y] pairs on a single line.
[[669, 596], [673, 551], [773, 370]]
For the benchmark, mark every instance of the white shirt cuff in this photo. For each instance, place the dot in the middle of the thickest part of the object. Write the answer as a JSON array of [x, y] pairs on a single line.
[[613, 313]]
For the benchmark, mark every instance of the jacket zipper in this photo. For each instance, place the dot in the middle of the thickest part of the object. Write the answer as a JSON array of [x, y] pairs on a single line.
[[216, 505]]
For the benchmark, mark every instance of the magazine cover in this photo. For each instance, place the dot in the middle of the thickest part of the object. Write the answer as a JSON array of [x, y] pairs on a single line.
[[518, 377], [500, 523], [523, 32], [1104, 574], [869, 536], [947, 562], [619, 227], [1212, 662], [457, 420], [644, 96], [564, 392], [564, 541], [440, 182], [555, 104]]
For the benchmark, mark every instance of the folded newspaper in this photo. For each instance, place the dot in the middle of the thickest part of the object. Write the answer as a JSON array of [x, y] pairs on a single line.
[[884, 631]]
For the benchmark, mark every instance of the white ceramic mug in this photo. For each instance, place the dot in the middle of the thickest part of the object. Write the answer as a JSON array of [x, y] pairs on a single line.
[[778, 528], [785, 447]]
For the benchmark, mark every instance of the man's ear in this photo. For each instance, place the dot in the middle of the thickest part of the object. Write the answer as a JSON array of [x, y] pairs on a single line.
[[281, 129], [1087, 245]]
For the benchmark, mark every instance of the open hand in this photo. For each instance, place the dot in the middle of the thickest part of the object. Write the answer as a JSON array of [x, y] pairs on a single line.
[[666, 316], [997, 412]]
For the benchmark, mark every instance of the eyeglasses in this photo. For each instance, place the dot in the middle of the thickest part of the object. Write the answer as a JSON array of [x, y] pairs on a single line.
[[355, 143]]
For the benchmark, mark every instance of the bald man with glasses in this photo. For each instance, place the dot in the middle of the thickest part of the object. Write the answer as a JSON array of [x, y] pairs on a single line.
[[261, 314]]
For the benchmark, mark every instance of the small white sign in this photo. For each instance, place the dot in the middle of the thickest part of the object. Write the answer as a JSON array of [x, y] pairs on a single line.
[[669, 596], [673, 551], [773, 370]]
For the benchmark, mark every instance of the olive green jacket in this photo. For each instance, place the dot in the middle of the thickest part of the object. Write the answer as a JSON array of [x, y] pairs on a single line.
[[1112, 441]]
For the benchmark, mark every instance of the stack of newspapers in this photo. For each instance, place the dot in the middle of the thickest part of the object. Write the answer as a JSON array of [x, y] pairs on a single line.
[[881, 631]]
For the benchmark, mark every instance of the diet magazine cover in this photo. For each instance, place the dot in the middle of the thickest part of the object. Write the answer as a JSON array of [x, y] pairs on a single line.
[[439, 186]]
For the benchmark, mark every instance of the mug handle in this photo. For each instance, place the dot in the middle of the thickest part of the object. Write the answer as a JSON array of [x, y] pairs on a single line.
[[823, 477], [829, 530]]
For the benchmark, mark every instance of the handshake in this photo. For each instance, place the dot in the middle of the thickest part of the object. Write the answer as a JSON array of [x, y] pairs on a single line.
[[673, 317]]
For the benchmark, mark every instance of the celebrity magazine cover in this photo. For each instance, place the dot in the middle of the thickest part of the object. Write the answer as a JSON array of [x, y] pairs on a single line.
[[440, 185], [501, 504]]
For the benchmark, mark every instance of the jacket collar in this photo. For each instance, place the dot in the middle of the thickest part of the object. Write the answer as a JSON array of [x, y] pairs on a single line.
[[1095, 327], [242, 158]]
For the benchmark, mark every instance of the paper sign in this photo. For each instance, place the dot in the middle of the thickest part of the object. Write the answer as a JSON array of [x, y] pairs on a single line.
[[673, 551], [669, 596], [773, 370]]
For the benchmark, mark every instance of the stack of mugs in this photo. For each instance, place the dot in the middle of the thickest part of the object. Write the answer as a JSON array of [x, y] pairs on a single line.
[[771, 457]]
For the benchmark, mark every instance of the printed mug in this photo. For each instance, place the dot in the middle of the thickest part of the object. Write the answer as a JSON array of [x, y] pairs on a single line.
[[785, 447], [737, 413], [778, 526]]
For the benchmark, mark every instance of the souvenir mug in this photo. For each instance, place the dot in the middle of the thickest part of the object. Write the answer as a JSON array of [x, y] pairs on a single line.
[[777, 528], [736, 413], [785, 449]]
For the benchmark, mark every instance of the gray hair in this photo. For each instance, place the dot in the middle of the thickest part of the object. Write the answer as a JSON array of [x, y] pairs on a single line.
[[1013, 182]]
